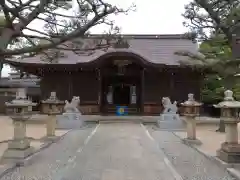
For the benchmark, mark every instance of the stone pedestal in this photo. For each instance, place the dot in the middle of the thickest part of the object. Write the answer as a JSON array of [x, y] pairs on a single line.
[[191, 111], [72, 116], [52, 108], [70, 121], [229, 152], [19, 148], [230, 149], [169, 117], [191, 131], [191, 128], [51, 125]]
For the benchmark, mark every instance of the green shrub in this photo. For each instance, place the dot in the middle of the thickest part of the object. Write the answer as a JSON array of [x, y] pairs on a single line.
[[213, 90]]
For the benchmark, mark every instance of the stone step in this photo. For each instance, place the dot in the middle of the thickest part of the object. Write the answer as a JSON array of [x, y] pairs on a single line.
[[113, 110], [119, 121]]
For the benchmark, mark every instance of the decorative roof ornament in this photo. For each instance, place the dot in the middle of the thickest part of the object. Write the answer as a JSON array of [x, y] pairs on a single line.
[[121, 43], [52, 55]]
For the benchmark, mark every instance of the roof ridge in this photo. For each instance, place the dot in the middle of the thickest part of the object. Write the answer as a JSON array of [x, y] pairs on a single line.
[[149, 36]]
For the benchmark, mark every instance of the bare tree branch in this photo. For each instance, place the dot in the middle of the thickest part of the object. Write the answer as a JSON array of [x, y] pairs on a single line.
[[22, 13]]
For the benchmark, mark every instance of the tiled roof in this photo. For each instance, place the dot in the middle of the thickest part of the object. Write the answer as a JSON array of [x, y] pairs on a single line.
[[17, 83], [157, 49]]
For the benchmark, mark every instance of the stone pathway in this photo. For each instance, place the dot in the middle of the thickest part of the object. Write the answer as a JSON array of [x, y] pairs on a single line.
[[172, 125], [189, 163], [119, 151], [110, 152]]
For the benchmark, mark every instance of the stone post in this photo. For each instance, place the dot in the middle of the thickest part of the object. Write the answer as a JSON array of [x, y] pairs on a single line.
[[230, 149], [191, 109], [20, 111], [52, 107]]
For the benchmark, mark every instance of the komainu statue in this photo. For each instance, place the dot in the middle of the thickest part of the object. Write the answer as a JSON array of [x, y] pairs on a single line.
[[71, 118], [170, 111], [71, 107], [169, 108]]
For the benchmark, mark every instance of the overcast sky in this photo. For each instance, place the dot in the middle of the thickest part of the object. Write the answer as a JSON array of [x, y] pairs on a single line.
[[150, 17]]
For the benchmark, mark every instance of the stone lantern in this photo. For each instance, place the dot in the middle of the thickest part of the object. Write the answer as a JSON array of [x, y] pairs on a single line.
[[230, 149], [191, 109], [52, 107], [20, 110]]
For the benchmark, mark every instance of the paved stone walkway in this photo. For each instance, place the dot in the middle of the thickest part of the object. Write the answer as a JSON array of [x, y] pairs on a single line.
[[109, 152], [171, 125], [119, 152]]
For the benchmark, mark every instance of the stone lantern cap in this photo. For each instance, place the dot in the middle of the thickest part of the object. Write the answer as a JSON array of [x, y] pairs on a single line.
[[52, 99], [228, 101], [20, 100], [191, 101]]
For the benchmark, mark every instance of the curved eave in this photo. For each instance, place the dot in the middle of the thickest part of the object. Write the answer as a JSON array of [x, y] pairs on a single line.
[[35, 68], [98, 61], [122, 55]]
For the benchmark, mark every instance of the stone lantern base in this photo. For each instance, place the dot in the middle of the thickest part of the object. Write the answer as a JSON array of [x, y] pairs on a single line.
[[191, 130], [229, 153], [51, 124], [17, 152]]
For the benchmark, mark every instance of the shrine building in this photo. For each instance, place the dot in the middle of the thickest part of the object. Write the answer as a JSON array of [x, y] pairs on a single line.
[[135, 74]]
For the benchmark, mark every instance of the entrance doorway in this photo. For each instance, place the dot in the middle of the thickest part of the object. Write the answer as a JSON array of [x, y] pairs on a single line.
[[121, 94], [121, 88]]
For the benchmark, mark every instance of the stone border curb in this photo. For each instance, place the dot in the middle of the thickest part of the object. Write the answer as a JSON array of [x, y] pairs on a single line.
[[229, 167], [233, 172], [5, 170]]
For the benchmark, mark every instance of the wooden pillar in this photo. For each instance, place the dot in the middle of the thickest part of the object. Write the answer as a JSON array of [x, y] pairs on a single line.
[[142, 90], [172, 92], [70, 85], [100, 90]]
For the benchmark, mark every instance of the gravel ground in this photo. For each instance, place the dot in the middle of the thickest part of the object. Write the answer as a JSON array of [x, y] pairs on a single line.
[[189, 163]]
